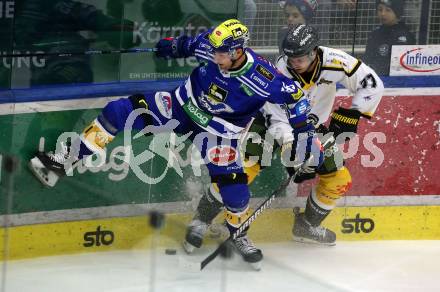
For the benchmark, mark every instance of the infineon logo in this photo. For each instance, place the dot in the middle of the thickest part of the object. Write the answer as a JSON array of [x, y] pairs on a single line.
[[420, 60]]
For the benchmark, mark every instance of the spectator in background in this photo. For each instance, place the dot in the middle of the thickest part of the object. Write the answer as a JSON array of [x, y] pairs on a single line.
[[296, 12], [392, 31]]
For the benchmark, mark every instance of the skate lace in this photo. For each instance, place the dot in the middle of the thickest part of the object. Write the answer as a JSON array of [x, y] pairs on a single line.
[[62, 156], [318, 231], [245, 245]]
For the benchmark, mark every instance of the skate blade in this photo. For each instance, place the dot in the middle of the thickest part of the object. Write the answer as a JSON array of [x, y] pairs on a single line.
[[189, 248], [45, 176], [256, 266], [311, 241]]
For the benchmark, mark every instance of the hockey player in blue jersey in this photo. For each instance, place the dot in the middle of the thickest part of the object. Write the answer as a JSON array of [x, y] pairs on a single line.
[[217, 102]]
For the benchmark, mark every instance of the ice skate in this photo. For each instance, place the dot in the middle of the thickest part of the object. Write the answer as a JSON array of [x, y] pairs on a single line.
[[194, 235], [305, 232], [252, 255], [49, 167]]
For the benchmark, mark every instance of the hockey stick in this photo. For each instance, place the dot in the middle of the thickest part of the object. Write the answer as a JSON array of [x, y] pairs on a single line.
[[85, 53], [246, 223]]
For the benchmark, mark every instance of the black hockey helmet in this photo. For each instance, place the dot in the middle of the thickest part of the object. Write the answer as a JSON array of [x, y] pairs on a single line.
[[300, 40]]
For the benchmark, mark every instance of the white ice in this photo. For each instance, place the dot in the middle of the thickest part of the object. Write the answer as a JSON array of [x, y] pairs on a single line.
[[349, 266]]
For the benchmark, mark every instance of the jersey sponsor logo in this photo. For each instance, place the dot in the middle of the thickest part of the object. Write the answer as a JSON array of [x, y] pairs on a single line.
[[164, 104], [222, 155], [196, 114], [338, 62], [336, 54], [259, 80], [357, 225], [237, 32], [264, 72], [231, 23], [246, 89], [324, 81]]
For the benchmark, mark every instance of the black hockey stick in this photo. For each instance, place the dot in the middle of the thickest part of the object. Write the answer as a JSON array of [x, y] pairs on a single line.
[[85, 53], [246, 223]]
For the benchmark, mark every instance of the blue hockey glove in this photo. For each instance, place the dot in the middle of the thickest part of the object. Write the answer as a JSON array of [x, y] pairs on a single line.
[[306, 149], [167, 48]]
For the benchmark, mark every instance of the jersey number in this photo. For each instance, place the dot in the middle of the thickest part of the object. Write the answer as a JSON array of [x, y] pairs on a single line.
[[368, 82]]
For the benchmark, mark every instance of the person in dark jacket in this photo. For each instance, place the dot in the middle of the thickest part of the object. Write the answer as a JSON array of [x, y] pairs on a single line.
[[296, 12], [392, 31]]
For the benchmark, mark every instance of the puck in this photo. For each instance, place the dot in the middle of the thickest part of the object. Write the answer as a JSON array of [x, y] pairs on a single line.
[[170, 251]]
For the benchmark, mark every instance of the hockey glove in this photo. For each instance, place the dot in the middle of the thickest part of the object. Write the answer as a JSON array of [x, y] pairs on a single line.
[[308, 156], [305, 149], [173, 47], [344, 121]]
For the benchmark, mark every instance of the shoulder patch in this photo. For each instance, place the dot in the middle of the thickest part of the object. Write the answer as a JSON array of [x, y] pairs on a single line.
[[264, 72]]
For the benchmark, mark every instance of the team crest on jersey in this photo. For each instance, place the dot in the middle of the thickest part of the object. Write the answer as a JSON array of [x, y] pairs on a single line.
[[222, 155], [213, 101], [164, 104], [217, 93], [264, 72]]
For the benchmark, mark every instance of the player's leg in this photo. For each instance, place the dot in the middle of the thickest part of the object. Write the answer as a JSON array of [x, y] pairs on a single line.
[[48, 166], [229, 185], [334, 182], [210, 205]]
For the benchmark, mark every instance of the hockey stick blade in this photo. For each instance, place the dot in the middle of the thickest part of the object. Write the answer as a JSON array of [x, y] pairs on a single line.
[[246, 223]]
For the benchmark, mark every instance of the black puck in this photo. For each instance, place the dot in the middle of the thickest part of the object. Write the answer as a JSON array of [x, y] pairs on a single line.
[[170, 251]]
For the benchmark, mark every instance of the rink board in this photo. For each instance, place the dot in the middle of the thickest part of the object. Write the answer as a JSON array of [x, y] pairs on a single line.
[[350, 224]]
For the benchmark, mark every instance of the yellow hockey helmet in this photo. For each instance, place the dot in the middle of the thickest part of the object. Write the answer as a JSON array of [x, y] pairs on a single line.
[[229, 35]]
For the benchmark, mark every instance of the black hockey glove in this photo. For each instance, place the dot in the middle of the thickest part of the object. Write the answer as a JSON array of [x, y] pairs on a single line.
[[344, 121]]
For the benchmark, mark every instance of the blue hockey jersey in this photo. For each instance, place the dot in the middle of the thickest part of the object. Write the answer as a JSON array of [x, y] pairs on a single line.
[[223, 103]]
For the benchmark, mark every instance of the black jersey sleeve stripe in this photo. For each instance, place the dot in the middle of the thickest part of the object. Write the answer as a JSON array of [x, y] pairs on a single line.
[[355, 68]]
